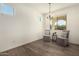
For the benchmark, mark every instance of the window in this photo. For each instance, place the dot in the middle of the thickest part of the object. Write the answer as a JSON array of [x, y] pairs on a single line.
[[6, 9], [60, 23]]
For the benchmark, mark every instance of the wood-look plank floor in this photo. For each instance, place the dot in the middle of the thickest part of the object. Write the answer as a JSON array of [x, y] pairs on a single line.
[[41, 48]]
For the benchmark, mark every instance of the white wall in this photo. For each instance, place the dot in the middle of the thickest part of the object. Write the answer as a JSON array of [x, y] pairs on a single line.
[[72, 22], [24, 27]]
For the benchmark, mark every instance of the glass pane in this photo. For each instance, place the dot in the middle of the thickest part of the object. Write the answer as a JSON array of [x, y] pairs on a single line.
[[61, 22], [7, 9]]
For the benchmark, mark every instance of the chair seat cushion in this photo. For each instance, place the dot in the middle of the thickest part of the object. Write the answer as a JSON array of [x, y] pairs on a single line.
[[60, 37]]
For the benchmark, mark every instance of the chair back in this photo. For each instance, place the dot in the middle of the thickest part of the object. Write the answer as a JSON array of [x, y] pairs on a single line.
[[65, 34]]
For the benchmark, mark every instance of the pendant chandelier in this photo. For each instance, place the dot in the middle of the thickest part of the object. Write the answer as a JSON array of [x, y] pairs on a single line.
[[49, 16], [49, 11]]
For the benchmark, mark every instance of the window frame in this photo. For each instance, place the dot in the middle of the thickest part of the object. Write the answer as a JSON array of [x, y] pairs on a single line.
[[60, 18]]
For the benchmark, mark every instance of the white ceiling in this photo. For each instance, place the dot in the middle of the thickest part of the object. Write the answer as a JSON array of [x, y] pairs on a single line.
[[44, 7]]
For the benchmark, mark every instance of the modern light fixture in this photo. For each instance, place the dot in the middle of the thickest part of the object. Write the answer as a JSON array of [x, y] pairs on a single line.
[[49, 16], [49, 11], [50, 19]]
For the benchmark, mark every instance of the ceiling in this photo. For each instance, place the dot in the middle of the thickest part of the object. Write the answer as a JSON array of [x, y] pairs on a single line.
[[44, 7]]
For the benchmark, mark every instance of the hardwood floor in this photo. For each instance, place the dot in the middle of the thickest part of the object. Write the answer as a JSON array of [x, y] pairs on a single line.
[[41, 48]]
